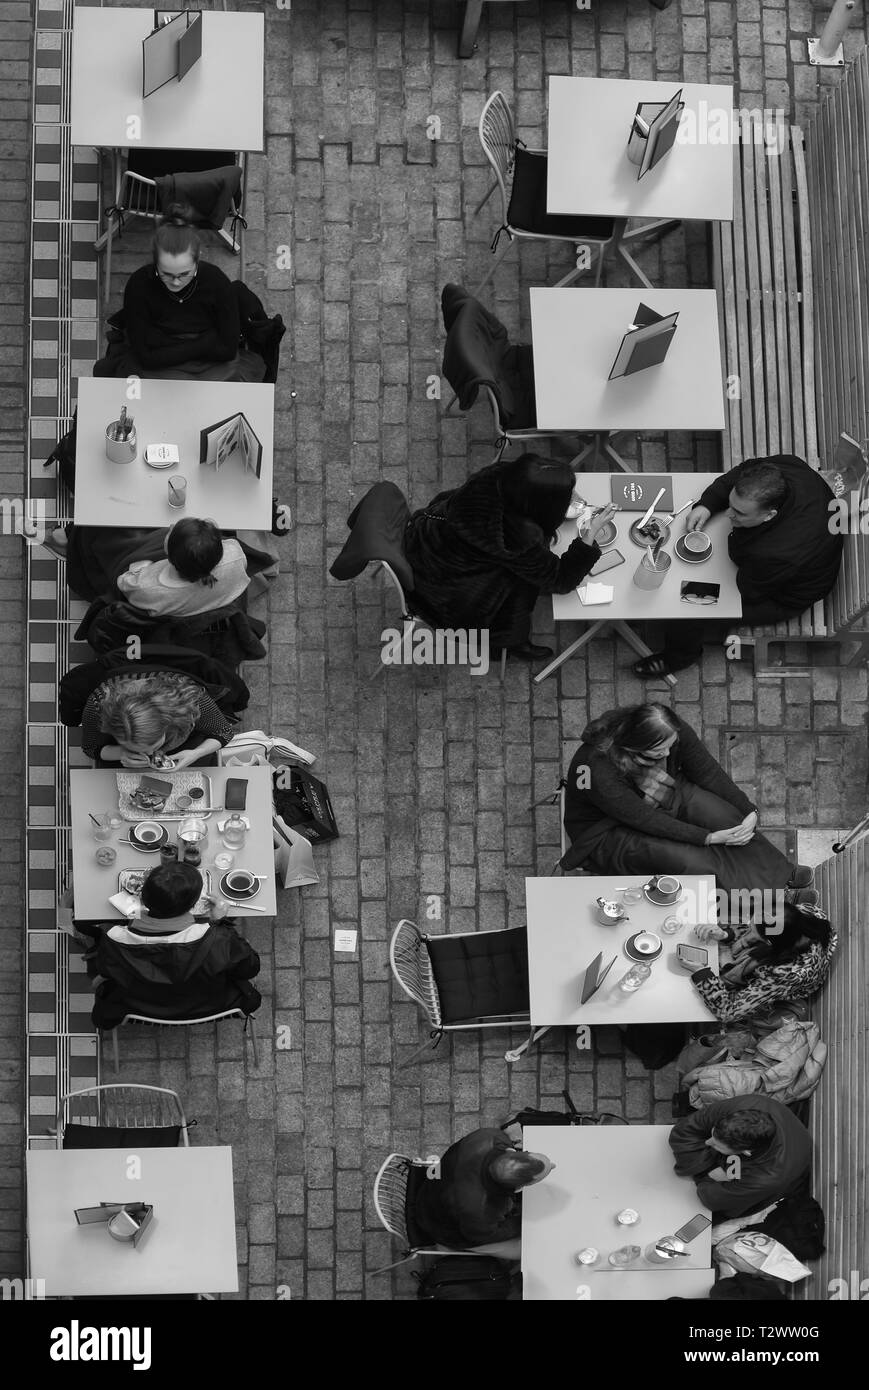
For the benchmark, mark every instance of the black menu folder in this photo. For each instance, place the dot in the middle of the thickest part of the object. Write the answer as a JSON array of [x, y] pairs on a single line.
[[646, 342]]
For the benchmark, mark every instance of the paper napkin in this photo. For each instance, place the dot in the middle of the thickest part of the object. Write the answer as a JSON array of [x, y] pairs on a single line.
[[595, 593]]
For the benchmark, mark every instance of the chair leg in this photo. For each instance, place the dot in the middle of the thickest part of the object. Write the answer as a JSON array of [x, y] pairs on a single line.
[[503, 662], [516, 1052], [493, 267], [116, 1051], [429, 1046], [250, 1027], [386, 1268], [484, 200]]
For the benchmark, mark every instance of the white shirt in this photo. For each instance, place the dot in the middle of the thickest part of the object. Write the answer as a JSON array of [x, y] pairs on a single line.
[[156, 587]]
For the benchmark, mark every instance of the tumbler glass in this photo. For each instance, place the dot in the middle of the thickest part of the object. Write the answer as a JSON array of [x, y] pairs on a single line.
[[647, 576]]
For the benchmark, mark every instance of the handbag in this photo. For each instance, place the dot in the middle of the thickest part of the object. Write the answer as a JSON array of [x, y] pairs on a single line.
[[466, 1278]]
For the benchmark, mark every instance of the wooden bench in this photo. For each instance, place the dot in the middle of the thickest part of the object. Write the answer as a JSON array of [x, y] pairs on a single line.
[[771, 269], [837, 1115]]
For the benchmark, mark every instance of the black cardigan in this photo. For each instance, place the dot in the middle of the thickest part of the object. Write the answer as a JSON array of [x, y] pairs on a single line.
[[165, 331], [611, 800]]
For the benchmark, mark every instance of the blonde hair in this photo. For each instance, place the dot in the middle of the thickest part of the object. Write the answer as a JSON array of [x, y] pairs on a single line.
[[140, 710]]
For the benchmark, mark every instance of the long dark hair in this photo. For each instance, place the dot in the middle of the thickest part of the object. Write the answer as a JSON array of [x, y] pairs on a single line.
[[625, 735], [537, 488], [782, 936], [176, 233]]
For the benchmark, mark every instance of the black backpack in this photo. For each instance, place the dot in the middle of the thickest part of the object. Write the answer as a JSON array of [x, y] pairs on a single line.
[[570, 1116], [465, 1278], [798, 1222]]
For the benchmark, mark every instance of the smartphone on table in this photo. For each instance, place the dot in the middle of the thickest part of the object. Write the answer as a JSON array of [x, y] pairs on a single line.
[[692, 957], [607, 562]]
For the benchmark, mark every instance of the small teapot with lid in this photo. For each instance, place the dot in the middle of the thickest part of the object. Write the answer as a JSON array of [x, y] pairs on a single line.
[[610, 913]]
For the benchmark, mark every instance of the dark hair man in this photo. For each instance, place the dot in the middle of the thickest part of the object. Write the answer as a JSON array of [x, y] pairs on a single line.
[[169, 965], [782, 543], [766, 1151], [472, 1197]]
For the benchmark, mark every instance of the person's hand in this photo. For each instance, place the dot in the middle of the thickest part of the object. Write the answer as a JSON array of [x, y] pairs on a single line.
[[735, 834], [706, 931], [697, 518], [130, 759], [599, 521], [717, 1175], [185, 757]]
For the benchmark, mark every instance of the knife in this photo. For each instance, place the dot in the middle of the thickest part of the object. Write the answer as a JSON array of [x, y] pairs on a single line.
[[645, 519]]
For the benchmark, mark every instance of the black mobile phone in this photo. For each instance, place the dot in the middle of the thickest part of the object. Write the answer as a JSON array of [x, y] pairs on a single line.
[[694, 592], [692, 1228], [235, 793], [607, 562]]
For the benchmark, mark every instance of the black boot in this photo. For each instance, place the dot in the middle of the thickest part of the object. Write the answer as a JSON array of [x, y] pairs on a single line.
[[528, 651]]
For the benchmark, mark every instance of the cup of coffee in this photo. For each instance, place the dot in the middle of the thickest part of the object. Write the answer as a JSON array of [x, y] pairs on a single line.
[[665, 888], [697, 542]]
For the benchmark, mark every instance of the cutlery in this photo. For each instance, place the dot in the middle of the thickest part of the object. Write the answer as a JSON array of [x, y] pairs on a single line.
[[672, 517], [649, 513]]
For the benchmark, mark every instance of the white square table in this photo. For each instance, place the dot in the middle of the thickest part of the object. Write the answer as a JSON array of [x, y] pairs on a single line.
[[647, 605], [217, 106], [599, 1170], [564, 937], [575, 338], [171, 412], [96, 790], [589, 174], [189, 1247]]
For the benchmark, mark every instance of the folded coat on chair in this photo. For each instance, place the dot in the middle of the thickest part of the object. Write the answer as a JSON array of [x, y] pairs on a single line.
[[209, 192], [478, 352]]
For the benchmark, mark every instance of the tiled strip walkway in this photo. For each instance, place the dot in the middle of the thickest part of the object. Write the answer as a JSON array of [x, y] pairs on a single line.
[[64, 317]]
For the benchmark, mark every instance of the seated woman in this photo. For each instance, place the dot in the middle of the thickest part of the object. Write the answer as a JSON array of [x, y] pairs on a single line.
[[644, 796], [766, 963], [201, 571], [181, 316], [481, 554], [130, 719]]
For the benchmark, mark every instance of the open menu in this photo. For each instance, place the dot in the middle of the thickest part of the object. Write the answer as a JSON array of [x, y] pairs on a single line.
[[228, 439]]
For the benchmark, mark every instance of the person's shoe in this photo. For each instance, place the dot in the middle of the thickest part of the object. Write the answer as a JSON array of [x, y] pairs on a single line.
[[57, 542], [529, 651], [802, 877], [659, 664]]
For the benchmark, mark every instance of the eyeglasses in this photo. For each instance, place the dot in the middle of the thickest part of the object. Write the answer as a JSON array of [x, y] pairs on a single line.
[[179, 279]]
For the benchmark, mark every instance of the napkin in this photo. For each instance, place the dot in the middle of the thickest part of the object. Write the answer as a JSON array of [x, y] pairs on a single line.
[[595, 593], [127, 903]]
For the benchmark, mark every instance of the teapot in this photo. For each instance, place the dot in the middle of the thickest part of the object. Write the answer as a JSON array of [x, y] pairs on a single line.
[[610, 913]]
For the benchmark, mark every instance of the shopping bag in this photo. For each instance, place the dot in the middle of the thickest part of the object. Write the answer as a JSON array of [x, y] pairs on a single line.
[[294, 861], [302, 802]]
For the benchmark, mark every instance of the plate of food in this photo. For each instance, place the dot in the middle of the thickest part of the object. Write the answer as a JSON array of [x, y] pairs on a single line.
[[131, 880], [653, 531]]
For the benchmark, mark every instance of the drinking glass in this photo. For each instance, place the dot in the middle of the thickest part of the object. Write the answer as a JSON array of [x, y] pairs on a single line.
[[177, 491], [624, 1256], [103, 828], [647, 576]]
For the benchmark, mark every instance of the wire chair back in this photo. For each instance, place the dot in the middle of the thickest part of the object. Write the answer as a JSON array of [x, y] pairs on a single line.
[[412, 968], [498, 139]]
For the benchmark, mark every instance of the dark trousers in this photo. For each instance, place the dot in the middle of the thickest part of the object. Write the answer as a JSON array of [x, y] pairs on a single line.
[[683, 641]]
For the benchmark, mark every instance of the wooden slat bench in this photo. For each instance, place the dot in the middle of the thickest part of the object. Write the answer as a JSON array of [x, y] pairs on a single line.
[[768, 275], [837, 1115]]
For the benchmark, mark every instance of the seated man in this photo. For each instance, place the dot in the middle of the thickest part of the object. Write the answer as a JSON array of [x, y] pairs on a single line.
[[786, 555], [168, 964], [474, 1201], [743, 1154]]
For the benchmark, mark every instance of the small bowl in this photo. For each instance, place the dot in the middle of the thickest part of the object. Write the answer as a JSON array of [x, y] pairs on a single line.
[[148, 836], [239, 885], [643, 946]]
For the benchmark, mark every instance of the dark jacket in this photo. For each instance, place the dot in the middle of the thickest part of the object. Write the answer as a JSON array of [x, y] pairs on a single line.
[[478, 566], [777, 1172], [165, 330], [174, 979], [210, 192], [478, 353], [77, 685], [590, 812], [465, 1206], [791, 562]]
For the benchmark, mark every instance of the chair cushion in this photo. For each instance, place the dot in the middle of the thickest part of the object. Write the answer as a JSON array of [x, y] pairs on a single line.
[[527, 210], [417, 1235], [76, 1136], [481, 975], [151, 164]]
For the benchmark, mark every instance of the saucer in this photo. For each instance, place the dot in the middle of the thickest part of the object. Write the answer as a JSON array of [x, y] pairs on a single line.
[[643, 945], [148, 836], [644, 541], [688, 557], [662, 899], [239, 895], [606, 537]]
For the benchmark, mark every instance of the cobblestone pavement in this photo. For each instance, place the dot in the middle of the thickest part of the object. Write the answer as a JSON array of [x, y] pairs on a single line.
[[432, 772]]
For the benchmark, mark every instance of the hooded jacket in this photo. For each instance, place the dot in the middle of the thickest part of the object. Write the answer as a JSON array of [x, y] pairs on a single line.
[[793, 560], [776, 1172], [787, 1064], [194, 971], [474, 562]]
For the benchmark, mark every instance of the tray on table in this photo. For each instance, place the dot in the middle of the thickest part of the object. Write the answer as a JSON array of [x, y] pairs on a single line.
[[128, 784]]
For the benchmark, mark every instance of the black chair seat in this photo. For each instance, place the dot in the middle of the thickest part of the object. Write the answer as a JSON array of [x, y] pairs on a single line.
[[76, 1136], [527, 210], [484, 975]]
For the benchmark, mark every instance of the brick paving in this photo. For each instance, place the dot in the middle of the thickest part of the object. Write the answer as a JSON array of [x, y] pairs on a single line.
[[431, 772]]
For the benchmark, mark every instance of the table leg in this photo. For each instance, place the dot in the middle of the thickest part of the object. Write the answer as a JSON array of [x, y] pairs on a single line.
[[591, 631], [470, 25], [647, 227], [628, 635], [601, 441]]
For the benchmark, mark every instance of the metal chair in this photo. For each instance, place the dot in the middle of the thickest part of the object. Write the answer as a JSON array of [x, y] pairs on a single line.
[[523, 171], [464, 980], [136, 195], [153, 1112], [248, 1029], [396, 1174]]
